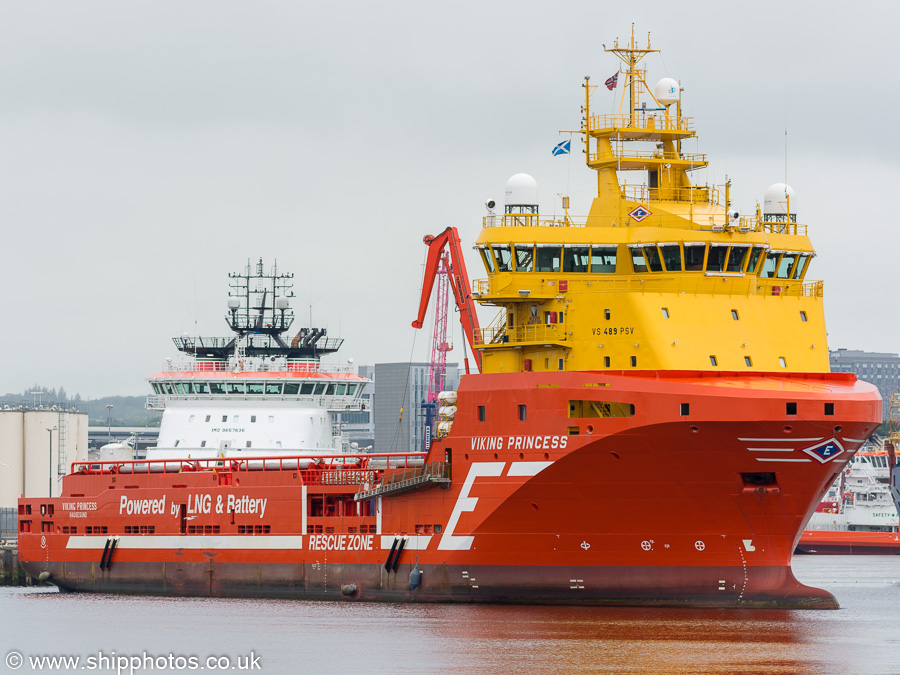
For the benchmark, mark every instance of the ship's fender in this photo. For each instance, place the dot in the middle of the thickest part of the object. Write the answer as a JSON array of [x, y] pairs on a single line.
[[415, 578], [348, 590]]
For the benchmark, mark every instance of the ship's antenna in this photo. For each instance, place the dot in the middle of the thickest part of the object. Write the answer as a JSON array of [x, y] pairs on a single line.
[[786, 139]]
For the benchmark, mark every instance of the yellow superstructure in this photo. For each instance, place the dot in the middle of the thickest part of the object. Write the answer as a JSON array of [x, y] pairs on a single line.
[[660, 275]]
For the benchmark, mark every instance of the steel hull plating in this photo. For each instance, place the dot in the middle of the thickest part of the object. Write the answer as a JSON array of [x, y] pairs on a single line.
[[654, 507], [612, 586]]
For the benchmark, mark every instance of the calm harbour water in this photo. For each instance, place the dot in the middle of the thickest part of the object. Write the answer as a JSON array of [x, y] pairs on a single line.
[[340, 637]]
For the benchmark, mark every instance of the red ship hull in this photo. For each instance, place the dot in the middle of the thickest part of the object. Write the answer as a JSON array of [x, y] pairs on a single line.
[[697, 498]]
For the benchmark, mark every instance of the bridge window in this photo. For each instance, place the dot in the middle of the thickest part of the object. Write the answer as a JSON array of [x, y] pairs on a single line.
[[548, 258], [201, 387], [255, 387], [504, 258], [785, 265], [694, 255], [235, 387], [736, 258], [637, 259], [351, 388], [169, 388], [306, 389], [801, 267], [273, 387], [488, 259], [330, 390], [671, 255], [320, 389], [755, 255], [603, 259], [340, 389], [182, 388], [524, 258], [653, 260], [718, 255], [576, 259], [217, 387], [156, 388], [770, 264]]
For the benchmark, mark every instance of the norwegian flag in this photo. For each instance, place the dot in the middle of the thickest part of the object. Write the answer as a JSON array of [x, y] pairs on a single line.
[[612, 82]]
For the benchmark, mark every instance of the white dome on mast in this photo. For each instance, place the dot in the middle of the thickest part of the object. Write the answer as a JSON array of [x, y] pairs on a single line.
[[521, 194]]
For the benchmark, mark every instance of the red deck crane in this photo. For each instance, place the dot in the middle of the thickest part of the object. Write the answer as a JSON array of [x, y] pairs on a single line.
[[459, 282]]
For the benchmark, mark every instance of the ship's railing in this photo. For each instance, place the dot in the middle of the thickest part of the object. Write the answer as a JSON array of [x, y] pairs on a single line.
[[521, 334], [646, 121], [358, 465], [332, 403], [699, 194], [257, 365], [773, 226], [532, 220], [688, 282], [695, 158]]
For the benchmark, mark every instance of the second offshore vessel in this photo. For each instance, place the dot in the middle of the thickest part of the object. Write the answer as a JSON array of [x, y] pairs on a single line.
[[652, 424]]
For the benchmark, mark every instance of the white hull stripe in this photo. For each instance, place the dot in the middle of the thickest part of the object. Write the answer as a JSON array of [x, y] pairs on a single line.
[[212, 542], [770, 449], [855, 440], [778, 459], [413, 543], [527, 468], [781, 440]]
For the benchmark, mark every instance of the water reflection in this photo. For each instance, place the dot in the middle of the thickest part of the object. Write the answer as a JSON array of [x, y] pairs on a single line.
[[345, 637]]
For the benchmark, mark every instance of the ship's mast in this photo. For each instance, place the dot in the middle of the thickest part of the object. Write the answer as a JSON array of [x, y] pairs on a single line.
[[631, 55]]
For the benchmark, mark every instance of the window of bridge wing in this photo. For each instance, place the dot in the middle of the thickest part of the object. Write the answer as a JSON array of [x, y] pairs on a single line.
[[524, 258], [736, 258], [653, 260], [235, 387], [694, 257], [671, 255], [603, 259], [718, 255], [487, 259], [255, 387], [216, 387], [503, 256], [800, 268], [755, 255], [548, 257], [785, 265], [576, 258], [273, 388], [638, 262], [770, 265]]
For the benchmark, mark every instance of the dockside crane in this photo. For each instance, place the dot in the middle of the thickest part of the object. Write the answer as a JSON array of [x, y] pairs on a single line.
[[459, 283]]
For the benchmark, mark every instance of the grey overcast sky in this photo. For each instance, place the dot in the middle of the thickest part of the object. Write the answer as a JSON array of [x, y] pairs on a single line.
[[149, 148]]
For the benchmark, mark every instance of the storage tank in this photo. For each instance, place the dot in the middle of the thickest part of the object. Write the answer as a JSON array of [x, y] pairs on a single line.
[[78, 433], [40, 462], [12, 457]]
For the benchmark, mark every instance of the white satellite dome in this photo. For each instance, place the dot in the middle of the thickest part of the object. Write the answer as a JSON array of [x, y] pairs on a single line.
[[775, 200], [233, 303], [521, 194], [282, 302], [667, 91]]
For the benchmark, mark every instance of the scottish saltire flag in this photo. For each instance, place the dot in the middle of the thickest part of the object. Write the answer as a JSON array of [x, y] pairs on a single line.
[[612, 82], [562, 148]]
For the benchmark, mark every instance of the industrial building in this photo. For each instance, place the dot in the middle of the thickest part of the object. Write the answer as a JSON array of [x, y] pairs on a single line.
[[400, 390], [880, 369], [37, 446]]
